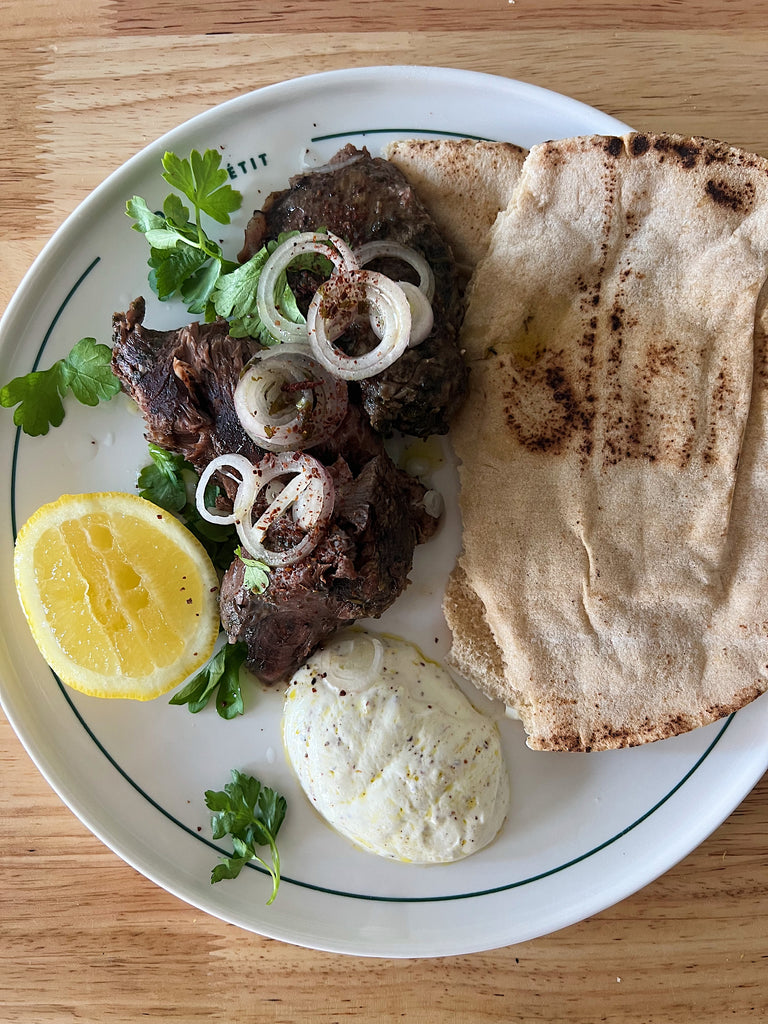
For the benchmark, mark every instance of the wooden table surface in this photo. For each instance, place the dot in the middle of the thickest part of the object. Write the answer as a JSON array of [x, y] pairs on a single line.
[[83, 85]]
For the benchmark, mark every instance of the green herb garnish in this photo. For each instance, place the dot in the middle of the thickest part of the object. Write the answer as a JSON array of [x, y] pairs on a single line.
[[256, 575], [86, 373], [251, 814], [162, 481], [183, 259], [220, 676], [167, 481], [234, 298], [185, 262], [234, 295]]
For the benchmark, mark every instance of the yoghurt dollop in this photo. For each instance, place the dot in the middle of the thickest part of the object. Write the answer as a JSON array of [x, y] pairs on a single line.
[[391, 752]]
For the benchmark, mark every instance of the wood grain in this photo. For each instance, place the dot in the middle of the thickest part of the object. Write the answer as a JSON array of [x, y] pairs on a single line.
[[86, 938], [304, 16], [84, 84], [67, 89]]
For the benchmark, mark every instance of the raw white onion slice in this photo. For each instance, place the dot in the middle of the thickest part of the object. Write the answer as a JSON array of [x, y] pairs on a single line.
[[400, 313], [422, 317], [274, 419], [309, 241], [311, 487], [310, 494], [244, 469], [370, 251], [434, 503], [354, 662], [348, 257], [393, 313]]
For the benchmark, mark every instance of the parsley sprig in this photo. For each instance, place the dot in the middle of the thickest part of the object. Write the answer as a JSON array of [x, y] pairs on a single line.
[[86, 373], [162, 480], [183, 260], [251, 814], [186, 263]]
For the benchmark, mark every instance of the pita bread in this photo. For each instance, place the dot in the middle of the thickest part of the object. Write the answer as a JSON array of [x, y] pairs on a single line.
[[614, 448], [464, 184]]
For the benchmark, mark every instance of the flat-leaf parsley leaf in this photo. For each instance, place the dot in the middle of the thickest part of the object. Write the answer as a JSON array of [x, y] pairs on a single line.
[[167, 481], [86, 372], [162, 481], [183, 259], [251, 814], [256, 575], [202, 179]]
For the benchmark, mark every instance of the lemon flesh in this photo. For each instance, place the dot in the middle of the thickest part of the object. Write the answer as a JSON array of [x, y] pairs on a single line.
[[121, 599]]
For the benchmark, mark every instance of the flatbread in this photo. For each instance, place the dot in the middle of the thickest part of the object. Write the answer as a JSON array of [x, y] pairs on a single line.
[[613, 450], [464, 184]]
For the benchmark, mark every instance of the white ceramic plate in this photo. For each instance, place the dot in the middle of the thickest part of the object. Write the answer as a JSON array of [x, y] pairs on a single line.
[[584, 831]]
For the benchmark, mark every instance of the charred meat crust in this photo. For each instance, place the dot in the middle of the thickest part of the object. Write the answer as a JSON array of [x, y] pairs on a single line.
[[361, 199], [183, 382]]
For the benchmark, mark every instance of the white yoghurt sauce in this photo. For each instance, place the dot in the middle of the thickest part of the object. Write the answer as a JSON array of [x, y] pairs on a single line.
[[391, 752]]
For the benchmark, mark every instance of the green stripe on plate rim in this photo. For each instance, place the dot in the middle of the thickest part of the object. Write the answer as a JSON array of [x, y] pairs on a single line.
[[418, 132]]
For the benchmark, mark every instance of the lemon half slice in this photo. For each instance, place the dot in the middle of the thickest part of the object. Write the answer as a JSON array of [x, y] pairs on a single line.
[[120, 597]]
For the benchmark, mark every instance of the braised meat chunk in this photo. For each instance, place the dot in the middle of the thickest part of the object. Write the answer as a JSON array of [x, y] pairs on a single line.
[[183, 382], [362, 199], [357, 571]]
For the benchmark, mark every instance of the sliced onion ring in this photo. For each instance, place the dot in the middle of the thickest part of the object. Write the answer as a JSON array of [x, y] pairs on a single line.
[[310, 241], [352, 663], [243, 467], [373, 250], [348, 257], [310, 492], [312, 483], [422, 317], [392, 305], [393, 312], [260, 390]]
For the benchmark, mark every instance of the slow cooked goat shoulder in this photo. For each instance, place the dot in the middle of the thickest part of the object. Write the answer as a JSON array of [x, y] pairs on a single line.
[[183, 382], [357, 571], [361, 199]]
